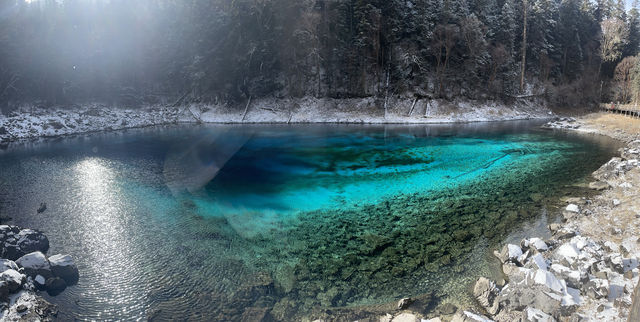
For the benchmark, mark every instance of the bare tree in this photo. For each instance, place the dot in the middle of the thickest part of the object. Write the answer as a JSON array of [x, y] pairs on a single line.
[[623, 77], [499, 56], [445, 38]]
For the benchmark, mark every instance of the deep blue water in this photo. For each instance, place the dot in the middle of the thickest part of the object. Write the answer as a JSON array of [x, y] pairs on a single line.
[[216, 221]]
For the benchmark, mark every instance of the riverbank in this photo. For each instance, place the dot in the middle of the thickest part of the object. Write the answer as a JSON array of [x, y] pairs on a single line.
[[31, 122], [588, 269]]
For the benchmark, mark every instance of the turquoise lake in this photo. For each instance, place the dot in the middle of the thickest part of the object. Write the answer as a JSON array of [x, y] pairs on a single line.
[[225, 222]]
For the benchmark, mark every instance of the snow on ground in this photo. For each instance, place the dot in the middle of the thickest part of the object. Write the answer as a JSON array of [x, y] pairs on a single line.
[[370, 110], [34, 122]]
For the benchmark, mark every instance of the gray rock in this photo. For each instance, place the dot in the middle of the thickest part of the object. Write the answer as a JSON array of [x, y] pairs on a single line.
[[615, 262], [537, 244], [30, 240], [404, 303], [55, 285], [42, 208], [40, 282], [573, 208], [534, 315], [598, 185], [486, 293], [6, 264], [608, 170], [64, 267], [35, 263], [519, 298], [509, 253], [466, 316], [599, 269], [13, 279], [597, 288]]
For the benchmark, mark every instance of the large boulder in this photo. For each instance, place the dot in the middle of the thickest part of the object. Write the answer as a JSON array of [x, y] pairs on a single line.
[[35, 264], [64, 267], [509, 253], [12, 279], [16, 242], [534, 315], [485, 292], [55, 285], [30, 240], [6, 264], [466, 316]]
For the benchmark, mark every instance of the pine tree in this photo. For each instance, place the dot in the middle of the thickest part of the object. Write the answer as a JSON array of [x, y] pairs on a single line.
[[569, 38], [633, 42]]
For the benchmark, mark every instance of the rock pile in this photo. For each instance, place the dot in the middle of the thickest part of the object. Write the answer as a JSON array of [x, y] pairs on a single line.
[[573, 276], [25, 268], [550, 280], [562, 123]]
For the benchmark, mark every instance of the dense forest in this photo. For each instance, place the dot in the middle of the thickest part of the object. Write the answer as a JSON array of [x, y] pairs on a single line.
[[572, 52]]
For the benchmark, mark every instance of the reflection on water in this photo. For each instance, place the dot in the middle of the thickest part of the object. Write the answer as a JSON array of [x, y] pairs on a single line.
[[213, 222], [102, 225]]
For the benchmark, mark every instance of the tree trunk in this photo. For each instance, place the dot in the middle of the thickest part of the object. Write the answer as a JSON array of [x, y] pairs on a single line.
[[524, 44]]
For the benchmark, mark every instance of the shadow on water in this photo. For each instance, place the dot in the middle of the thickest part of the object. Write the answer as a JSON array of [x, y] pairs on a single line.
[[227, 221]]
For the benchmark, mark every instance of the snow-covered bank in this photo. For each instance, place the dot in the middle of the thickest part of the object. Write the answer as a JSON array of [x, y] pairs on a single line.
[[33, 122], [368, 110]]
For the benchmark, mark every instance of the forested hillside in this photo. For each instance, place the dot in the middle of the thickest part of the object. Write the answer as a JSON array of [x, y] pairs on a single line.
[[571, 52]]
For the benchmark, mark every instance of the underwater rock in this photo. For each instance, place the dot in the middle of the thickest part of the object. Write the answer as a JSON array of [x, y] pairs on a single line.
[[598, 185], [64, 267], [536, 197], [404, 303], [55, 285]]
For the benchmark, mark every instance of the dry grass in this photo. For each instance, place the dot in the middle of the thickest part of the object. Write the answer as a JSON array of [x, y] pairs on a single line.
[[609, 123]]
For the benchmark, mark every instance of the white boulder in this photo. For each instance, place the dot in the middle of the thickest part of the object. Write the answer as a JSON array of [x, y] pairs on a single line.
[[573, 208]]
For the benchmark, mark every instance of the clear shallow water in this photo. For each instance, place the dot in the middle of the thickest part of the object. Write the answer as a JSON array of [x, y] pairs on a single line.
[[213, 222]]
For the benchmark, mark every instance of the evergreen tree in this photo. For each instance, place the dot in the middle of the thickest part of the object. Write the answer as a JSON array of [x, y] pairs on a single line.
[[633, 41]]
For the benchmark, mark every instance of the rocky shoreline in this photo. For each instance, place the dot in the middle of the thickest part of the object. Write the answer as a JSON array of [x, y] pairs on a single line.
[[588, 269], [32, 122], [25, 270]]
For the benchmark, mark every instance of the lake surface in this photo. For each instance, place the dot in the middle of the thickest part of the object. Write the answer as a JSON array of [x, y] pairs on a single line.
[[216, 222]]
